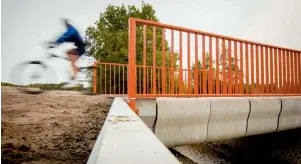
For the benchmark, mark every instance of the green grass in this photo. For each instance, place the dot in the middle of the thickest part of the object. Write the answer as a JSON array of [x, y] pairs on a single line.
[[44, 86]]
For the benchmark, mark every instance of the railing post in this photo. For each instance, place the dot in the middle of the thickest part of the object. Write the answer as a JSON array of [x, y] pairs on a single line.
[[94, 78], [132, 65]]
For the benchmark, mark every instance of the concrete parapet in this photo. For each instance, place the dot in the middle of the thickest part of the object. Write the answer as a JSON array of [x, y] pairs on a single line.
[[228, 118], [147, 111], [290, 116], [264, 115], [125, 138], [182, 121]]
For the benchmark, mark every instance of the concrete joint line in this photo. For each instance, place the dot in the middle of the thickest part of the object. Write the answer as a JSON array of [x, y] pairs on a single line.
[[279, 115], [156, 117], [208, 121], [250, 108]]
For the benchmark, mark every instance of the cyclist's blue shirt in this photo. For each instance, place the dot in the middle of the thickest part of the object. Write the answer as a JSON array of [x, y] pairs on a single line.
[[71, 35]]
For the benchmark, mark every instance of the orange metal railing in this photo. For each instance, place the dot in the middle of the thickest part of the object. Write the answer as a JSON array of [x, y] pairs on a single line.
[[110, 78], [171, 61]]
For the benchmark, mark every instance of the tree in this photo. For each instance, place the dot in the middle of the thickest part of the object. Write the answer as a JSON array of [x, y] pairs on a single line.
[[227, 59], [107, 41], [207, 62]]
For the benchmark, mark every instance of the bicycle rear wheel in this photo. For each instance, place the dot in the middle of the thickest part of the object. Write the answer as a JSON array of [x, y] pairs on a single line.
[[29, 76]]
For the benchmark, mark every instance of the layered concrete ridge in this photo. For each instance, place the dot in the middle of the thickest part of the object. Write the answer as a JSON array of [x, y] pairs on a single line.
[[183, 121], [290, 116], [264, 113], [227, 118], [125, 138], [172, 129]]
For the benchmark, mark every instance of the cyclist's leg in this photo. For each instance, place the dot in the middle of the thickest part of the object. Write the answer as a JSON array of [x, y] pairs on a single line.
[[73, 55]]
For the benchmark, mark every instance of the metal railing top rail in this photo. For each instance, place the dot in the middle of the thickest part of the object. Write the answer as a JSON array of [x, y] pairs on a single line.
[[173, 27]]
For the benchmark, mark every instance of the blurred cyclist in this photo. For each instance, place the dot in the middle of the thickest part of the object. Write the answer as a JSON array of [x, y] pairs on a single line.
[[73, 36]]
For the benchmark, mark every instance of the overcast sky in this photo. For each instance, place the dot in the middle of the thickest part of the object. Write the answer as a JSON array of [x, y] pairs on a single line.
[[27, 23]]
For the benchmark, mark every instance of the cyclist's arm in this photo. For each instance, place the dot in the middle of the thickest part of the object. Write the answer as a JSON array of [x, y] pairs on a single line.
[[65, 36]]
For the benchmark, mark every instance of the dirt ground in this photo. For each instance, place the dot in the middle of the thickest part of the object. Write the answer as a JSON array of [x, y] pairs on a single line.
[[52, 127], [62, 127]]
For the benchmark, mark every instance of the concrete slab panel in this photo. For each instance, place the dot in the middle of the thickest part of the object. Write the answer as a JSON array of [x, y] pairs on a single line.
[[125, 138], [182, 121], [264, 115], [228, 118], [147, 111], [290, 116]]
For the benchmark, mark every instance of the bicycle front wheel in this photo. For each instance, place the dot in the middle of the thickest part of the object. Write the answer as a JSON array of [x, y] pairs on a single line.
[[32, 74]]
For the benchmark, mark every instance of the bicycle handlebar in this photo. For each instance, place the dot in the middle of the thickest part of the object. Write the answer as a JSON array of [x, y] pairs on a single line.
[[56, 56], [49, 45]]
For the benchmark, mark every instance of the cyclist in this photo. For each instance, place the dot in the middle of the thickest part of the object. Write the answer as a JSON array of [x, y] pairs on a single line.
[[73, 36]]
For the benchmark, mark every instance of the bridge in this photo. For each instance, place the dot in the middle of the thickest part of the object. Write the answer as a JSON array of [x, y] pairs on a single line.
[[201, 86]]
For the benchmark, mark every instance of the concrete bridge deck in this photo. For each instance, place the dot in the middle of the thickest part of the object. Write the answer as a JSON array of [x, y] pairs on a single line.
[[170, 122]]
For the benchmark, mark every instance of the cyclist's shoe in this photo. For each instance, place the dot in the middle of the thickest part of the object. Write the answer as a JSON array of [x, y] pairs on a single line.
[[72, 84]]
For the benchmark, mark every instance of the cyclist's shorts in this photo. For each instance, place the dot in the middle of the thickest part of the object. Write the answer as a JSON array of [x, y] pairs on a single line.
[[81, 50]]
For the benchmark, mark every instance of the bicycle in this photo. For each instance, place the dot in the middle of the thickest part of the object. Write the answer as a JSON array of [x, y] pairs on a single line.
[[28, 82]]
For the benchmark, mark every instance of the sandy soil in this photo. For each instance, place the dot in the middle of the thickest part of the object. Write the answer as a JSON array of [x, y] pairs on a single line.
[[53, 127], [62, 126]]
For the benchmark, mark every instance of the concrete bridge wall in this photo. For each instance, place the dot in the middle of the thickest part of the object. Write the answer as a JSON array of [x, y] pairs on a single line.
[[182, 121], [171, 122]]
